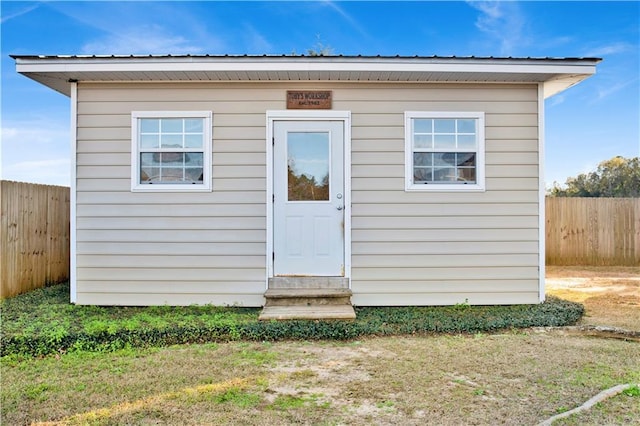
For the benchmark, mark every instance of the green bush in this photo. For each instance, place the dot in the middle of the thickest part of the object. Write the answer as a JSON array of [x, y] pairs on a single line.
[[43, 322]]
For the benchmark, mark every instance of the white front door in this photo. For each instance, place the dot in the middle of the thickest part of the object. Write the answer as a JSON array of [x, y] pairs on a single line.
[[308, 198]]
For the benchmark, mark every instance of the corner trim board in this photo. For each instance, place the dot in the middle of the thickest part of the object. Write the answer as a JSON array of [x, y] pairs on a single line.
[[73, 132]]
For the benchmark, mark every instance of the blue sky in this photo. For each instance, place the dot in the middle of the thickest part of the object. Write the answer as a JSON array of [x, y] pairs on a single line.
[[589, 123]]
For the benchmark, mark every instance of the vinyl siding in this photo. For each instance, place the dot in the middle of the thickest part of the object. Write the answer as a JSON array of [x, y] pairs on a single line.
[[407, 248]]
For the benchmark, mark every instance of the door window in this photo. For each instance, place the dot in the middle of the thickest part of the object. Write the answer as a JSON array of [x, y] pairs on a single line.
[[308, 156]]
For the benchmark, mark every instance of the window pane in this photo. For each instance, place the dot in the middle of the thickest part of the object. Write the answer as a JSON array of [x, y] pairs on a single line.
[[467, 175], [193, 125], [193, 159], [422, 159], [421, 125], [445, 174], [171, 174], [172, 159], [149, 174], [421, 174], [171, 125], [467, 126], [444, 159], [193, 175], [193, 141], [149, 125], [149, 159], [149, 141], [423, 141], [466, 159], [171, 141], [444, 142], [445, 125], [466, 142], [308, 166]]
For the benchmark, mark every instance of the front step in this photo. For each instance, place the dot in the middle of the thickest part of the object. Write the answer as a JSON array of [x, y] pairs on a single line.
[[307, 296], [313, 312], [307, 303], [308, 282]]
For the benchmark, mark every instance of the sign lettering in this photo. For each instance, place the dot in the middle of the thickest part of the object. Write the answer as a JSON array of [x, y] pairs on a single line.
[[309, 99]]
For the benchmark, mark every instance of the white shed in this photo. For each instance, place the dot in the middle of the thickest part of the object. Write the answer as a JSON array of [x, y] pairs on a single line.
[[240, 180]]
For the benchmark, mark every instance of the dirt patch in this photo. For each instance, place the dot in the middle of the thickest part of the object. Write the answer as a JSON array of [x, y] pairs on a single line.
[[513, 378], [611, 296], [592, 271]]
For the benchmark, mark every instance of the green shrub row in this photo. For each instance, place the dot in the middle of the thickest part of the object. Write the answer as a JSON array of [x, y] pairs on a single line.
[[61, 327]]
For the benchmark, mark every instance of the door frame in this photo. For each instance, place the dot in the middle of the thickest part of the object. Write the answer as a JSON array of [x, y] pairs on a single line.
[[309, 115]]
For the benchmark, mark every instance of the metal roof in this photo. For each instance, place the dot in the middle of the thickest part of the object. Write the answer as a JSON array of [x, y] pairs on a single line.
[[57, 71]]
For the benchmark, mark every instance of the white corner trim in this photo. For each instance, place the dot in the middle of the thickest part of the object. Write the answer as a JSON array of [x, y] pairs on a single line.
[[73, 132], [301, 115], [541, 197]]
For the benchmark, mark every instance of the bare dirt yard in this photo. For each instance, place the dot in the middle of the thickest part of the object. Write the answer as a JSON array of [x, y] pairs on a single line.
[[611, 295], [519, 377]]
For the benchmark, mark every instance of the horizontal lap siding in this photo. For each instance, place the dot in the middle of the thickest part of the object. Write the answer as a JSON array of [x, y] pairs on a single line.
[[407, 248], [444, 248], [171, 248]]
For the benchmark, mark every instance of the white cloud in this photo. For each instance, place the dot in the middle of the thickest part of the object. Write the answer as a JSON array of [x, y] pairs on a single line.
[[609, 49], [134, 28], [55, 171], [556, 100], [146, 39], [21, 12], [36, 151], [355, 24], [503, 22], [256, 43], [604, 91], [32, 132]]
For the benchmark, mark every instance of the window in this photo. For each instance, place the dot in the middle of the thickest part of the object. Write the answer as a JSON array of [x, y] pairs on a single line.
[[444, 151], [171, 151]]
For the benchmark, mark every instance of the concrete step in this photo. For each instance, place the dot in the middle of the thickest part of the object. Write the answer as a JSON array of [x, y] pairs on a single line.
[[327, 312], [308, 282], [307, 303], [307, 296]]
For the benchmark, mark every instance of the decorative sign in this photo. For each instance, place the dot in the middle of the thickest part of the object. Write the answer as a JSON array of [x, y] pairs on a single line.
[[309, 99]]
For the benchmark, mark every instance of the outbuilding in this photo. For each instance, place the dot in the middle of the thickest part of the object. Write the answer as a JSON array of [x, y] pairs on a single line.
[[244, 180]]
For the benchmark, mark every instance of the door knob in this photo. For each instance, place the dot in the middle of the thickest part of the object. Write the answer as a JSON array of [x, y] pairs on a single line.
[[340, 207]]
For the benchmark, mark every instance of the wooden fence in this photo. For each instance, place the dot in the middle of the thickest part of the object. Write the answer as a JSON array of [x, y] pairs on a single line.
[[593, 231], [34, 236]]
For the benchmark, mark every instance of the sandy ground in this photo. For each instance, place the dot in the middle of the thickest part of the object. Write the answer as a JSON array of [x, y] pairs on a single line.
[[611, 296]]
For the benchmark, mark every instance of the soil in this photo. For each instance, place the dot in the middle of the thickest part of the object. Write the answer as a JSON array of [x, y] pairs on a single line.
[[611, 296]]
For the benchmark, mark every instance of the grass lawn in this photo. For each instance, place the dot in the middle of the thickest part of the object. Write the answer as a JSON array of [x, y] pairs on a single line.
[[512, 376]]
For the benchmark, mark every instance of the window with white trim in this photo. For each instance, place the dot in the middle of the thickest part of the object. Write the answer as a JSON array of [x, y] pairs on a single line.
[[444, 151], [171, 151]]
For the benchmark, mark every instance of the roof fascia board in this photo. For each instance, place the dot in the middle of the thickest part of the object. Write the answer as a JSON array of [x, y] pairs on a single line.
[[135, 65]]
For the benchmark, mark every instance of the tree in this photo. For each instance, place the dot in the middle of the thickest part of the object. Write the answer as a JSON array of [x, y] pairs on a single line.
[[319, 49], [617, 177]]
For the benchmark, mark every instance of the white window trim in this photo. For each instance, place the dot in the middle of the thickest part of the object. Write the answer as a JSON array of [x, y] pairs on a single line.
[[206, 185], [479, 186]]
